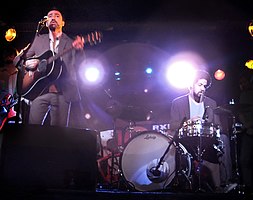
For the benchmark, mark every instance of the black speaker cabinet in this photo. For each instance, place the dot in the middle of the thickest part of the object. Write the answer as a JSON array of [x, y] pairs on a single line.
[[45, 157]]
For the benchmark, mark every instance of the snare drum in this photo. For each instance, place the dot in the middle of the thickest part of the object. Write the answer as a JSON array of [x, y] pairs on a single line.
[[200, 136], [199, 128]]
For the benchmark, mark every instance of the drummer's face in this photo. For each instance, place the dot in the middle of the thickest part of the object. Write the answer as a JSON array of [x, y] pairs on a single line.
[[199, 87]]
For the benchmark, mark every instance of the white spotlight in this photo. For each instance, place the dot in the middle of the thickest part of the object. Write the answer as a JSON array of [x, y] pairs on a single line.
[[91, 72], [180, 74]]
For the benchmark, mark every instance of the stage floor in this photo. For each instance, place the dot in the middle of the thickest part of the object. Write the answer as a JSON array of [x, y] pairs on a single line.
[[101, 194]]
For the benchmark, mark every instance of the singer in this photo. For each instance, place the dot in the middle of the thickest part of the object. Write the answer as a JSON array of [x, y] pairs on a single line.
[[54, 102], [191, 110]]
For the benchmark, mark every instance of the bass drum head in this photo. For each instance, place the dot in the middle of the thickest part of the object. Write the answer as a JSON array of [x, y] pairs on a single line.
[[141, 156]]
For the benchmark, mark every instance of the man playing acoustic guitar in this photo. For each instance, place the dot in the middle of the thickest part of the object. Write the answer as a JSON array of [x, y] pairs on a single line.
[[50, 79]]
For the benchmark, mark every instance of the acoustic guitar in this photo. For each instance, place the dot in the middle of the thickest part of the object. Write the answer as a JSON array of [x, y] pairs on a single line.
[[49, 69]]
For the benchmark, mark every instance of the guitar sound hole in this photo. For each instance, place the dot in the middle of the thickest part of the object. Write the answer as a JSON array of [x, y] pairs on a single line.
[[42, 66]]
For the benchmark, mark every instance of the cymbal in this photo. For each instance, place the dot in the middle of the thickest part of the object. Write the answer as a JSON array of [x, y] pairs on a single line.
[[135, 113], [114, 108], [222, 111], [235, 108]]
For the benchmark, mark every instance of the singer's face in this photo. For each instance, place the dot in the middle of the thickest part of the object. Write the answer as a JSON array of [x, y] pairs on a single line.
[[55, 19], [199, 87]]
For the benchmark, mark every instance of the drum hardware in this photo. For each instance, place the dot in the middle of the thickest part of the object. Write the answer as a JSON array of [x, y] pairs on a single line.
[[219, 148], [129, 132], [108, 164], [233, 109], [200, 152], [113, 152], [114, 108], [234, 138], [200, 166], [202, 131], [111, 158], [182, 171], [200, 149], [109, 172], [129, 128]]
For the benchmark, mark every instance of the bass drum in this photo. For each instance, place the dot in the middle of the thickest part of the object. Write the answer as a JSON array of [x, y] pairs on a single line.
[[141, 155]]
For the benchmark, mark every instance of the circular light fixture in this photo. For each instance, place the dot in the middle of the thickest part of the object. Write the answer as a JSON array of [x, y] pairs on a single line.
[[219, 74], [250, 28], [10, 34]]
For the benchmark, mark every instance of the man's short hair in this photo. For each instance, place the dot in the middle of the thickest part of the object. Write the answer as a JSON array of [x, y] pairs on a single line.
[[58, 9], [201, 74]]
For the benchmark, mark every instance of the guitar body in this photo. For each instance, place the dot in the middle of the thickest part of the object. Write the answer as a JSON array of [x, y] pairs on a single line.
[[34, 82]]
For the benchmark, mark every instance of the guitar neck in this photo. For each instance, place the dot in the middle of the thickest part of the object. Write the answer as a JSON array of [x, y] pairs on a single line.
[[56, 56], [91, 39]]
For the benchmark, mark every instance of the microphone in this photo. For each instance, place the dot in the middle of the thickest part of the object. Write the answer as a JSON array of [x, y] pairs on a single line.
[[201, 97], [157, 175], [45, 19], [155, 172], [205, 116]]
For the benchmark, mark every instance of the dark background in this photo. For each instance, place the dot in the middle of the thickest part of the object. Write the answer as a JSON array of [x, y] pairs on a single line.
[[141, 33]]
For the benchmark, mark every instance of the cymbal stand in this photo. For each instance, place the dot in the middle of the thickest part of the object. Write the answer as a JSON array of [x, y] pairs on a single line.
[[234, 138], [130, 128], [113, 151], [114, 109]]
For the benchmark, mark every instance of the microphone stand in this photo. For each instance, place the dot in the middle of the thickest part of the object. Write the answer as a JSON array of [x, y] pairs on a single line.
[[20, 66], [155, 170], [40, 26]]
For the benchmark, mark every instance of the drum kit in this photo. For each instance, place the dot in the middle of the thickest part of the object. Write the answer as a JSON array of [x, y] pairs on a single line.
[[137, 159]]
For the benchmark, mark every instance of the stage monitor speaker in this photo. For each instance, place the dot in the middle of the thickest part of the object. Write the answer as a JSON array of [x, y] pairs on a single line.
[[35, 157]]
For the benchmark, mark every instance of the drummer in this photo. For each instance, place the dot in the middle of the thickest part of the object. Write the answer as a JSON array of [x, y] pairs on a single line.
[[193, 107]]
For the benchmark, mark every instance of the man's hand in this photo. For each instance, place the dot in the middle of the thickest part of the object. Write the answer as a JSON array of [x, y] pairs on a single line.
[[78, 42], [31, 64]]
